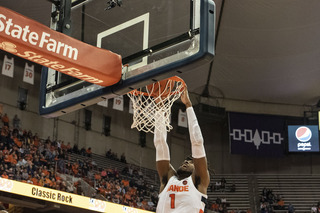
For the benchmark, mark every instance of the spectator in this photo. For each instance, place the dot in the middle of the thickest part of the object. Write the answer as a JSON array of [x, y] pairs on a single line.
[[63, 146], [214, 206], [48, 140], [16, 122], [314, 209], [36, 140], [218, 186], [108, 153], [223, 200], [25, 174], [218, 200], [70, 188], [18, 176], [150, 204], [123, 158], [264, 192], [75, 169], [58, 145], [280, 204], [291, 208], [21, 162], [69, 168], [223, 183], [3, 208], [263, 207], [233, 187], [4, 175], [83, 151], [89, 152], [5, 120], [74, 149], [97, 176], [125, 171], [154, 195], [130, 171], [221, 209], [116, 173], [140, 173]]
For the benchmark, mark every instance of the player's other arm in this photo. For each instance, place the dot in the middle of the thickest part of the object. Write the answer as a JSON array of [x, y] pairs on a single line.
[[198, 151], [164, 168]]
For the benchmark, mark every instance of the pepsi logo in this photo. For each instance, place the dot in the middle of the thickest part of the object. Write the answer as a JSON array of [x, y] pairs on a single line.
[[303, 134]]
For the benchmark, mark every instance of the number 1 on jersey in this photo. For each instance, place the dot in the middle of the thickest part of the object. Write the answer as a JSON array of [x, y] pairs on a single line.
[[173, 197]]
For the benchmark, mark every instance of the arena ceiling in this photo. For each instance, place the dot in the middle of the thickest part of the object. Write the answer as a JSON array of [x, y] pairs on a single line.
[[266, 51]]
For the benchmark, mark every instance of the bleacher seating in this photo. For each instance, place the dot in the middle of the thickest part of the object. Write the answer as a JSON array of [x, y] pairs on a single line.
[[103, 162], [302, 191], [239, 199]]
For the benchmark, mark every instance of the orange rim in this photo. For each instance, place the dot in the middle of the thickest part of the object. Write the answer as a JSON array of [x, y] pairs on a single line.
[[173, 78]]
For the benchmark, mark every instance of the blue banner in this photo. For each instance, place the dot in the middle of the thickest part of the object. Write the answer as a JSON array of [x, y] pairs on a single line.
[[257, 135]]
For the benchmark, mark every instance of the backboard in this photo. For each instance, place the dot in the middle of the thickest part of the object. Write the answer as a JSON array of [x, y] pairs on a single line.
[[156, 39]]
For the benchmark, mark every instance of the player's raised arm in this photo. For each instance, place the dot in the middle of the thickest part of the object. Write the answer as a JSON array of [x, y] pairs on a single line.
[[197, 146], [164, 168]]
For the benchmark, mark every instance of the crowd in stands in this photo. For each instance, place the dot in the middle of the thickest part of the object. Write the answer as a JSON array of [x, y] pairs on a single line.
[[222, 186], [315, 208], [220, 204], [270, 201], [127, 187], [27, 158], [114, 156]]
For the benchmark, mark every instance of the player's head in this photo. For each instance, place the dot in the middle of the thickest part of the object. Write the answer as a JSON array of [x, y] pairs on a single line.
[[187, 167]]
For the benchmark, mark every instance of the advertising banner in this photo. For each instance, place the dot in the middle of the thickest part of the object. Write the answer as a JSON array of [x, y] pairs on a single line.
[[303, 138], [38, 43], [64, 198], [258, 135]]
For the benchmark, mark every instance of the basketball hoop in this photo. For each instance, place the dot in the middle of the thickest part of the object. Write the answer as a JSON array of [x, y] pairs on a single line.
[[153, 102]]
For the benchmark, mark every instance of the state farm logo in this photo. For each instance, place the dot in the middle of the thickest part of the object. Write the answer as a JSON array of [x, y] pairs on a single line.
[[56, 65], [6, 185], [257, 137], [34, 38], [97, 205], [44, 48], [8, 47]]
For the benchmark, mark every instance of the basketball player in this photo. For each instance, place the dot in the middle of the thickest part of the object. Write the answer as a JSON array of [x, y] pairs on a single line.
[[184, 190]]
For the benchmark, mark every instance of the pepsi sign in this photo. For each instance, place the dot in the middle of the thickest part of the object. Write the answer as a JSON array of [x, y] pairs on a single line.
[[303, 138]]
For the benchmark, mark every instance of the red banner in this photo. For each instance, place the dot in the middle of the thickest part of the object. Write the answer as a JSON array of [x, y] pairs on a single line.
[[38, 43]]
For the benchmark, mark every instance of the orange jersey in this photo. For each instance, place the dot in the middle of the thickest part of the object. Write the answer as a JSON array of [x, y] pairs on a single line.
[[180, 196]]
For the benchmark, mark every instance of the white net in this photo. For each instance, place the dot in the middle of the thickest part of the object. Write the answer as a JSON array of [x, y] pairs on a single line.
[[149, 100]]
